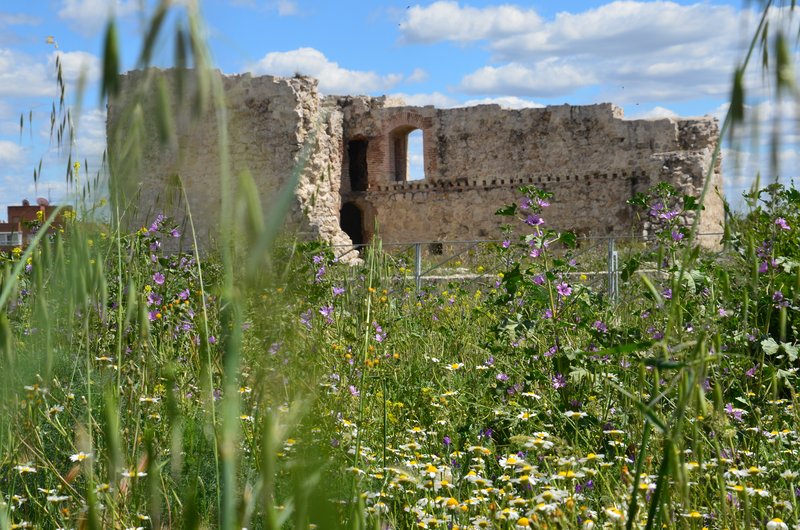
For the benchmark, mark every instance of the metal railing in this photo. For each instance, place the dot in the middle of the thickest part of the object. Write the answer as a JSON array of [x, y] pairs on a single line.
[[606, 261]]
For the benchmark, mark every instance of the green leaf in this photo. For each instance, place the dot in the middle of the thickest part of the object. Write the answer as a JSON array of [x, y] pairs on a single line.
[[568, 239], [690, 203], [510, 209], [663, 363], [110, 84], [769, 346], [791, 351]]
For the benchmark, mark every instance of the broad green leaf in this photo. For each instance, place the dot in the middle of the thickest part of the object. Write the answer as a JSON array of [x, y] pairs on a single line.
[[769, 346], [511, 209]]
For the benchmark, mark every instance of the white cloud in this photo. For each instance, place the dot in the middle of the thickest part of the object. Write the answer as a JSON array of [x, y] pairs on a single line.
[[437, 99], [632, 51], [91, 136], [75, 64], [450, 21], [10, 152], [21, 75], [550, 77], [626, 28], [90, 16], [655, 113], [283, 7], [18, 19], [506, 102], [417, 76], [287, 7], [333, 79]]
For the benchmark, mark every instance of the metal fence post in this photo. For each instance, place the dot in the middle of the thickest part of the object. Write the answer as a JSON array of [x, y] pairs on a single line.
[[418, 265], [613, 272]]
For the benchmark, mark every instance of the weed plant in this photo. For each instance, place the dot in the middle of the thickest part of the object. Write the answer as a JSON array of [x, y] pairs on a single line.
[[268, 385]]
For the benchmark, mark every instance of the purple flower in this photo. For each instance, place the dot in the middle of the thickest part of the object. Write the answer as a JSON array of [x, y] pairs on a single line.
[[157, 223], [752, 371], [274, 347], [305, 319], [158, 278], [534, 220], [318, 259], [175, 233], [327, 311], [184, 295], [676, 235], [212, 339], [153, 298], [543, 203], [564, 289], [320, 273], [548, 314], [667, 293], [538, 279], [722, 312], [354, 391], [669, 215], [558, 381], [379, 334], [338, 290], [152, 315], [599, 326], [525, 204], [552, 351], [655, 208], [735, 414], [501, 377], [506, 243], [446, 441], [781, 222]]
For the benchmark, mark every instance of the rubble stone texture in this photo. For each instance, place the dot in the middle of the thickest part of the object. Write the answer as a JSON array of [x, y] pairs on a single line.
[[352, 157]]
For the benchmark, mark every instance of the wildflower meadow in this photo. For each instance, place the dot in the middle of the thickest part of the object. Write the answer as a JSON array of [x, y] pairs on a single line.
[[267, 384]]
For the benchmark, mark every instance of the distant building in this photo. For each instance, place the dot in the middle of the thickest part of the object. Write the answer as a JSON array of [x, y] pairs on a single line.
[[24, 221]]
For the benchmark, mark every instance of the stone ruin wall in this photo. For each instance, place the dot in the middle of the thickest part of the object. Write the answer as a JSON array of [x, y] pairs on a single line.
[[269, 121], [475, 160]]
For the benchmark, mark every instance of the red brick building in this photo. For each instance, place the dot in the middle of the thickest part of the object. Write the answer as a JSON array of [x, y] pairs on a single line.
[[23, 220]]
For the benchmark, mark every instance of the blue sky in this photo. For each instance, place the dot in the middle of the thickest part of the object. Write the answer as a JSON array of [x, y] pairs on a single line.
[[654, 59]]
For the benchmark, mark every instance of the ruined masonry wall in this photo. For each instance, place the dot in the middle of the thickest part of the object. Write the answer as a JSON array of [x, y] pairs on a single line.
[[269, 121], [476, 158]]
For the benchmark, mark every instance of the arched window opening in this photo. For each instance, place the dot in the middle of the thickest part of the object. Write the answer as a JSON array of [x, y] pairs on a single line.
[[408, 155], [351, 221], [416, 156], [357, 157]]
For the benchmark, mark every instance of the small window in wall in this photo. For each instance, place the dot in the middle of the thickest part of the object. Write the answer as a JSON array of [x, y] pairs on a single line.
[[357, 157], [416, 157], [351, 221], [408, 154]]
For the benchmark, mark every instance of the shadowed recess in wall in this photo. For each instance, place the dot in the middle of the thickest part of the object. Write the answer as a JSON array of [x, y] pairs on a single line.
[[352, 223]]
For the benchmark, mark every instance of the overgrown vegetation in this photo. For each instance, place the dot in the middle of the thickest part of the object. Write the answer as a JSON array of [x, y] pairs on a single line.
[[269, 386]]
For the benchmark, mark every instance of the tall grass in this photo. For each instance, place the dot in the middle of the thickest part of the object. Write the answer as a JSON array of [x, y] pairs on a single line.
[[147, 388]]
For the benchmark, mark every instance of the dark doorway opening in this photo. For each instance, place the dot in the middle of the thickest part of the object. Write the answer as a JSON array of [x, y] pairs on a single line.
[[351, 221], [357, 156]]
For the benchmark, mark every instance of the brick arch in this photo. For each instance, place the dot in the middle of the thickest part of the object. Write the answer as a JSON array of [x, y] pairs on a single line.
[[397, 142]]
